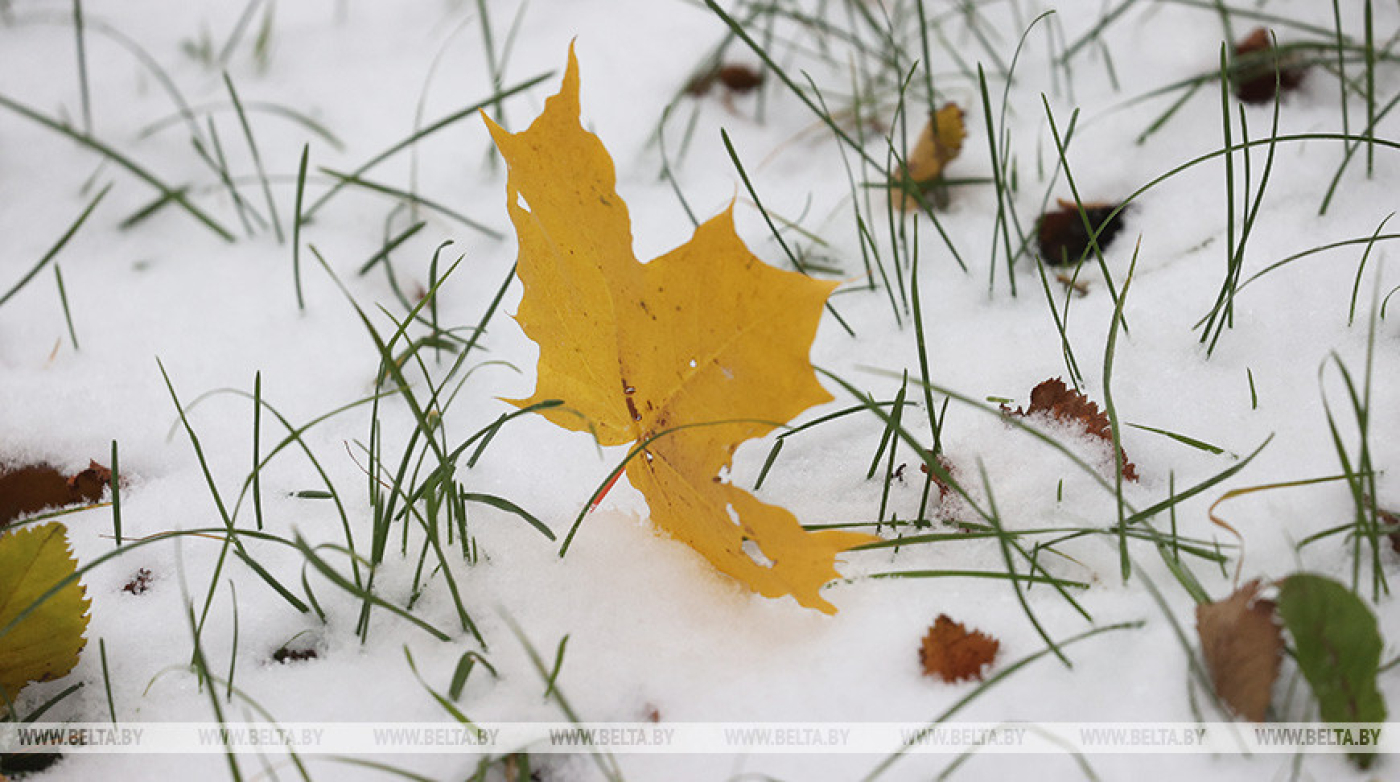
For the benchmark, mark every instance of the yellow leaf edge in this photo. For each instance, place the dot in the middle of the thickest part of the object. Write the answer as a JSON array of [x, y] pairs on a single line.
[[45, 644]]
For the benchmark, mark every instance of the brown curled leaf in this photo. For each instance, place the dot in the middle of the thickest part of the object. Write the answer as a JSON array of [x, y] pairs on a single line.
[[1062, 237], [1062, 403], [1253, 69], [1242, 646]]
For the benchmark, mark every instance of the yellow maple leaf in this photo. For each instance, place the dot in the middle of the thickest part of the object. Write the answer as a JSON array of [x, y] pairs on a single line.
[[45, 644], [700, 349]]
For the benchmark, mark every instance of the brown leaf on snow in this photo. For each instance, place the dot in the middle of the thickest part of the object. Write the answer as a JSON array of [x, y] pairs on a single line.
[[32, 488], [1242, 646], [1253, 74], [1061, 234], [1389, 522], [947, 464], [89, 483], [1063, 403], [953, 654], [735, 78]]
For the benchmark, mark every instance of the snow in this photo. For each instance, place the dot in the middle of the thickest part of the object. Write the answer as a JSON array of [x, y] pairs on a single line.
[[650, 626]]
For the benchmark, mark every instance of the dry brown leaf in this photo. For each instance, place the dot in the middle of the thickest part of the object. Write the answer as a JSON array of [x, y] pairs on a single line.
[[1063, 403], [1389, 523], [89, 483], [1242, 646], [736, 80], [1255, 61], [953, 654], [34, 487], [1061, 234]]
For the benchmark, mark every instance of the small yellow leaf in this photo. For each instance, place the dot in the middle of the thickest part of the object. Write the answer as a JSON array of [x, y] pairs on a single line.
[[938, 144], [701, 349], [45, 644]]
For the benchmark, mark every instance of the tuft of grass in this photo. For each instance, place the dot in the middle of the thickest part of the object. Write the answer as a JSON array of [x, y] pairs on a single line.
[[1111, 410], [233, 540], [418, 135], [606, 763], [1369, 536], [174, 195], [257, 158], [1221, 315]]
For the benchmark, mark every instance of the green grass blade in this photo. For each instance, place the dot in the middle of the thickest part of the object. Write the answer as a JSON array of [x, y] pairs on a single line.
[[86, 140]]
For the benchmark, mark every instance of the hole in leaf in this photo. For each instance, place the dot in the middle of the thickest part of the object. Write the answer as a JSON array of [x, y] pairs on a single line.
[[756, 554]]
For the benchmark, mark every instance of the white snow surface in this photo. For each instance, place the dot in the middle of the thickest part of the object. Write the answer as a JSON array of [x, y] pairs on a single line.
[[650, 625]]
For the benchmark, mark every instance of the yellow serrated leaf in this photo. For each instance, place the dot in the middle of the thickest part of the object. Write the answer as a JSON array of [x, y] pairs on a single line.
[[45, 644], [702, 349]]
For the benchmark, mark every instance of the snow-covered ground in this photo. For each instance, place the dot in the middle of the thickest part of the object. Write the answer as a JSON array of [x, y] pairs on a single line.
[[652, 631]]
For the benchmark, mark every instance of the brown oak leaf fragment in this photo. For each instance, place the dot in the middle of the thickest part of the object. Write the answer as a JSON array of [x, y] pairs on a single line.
[[31, 488], [1253, 69], [1242, 646], [1062, 403], [953, 654], [1061, 234]]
